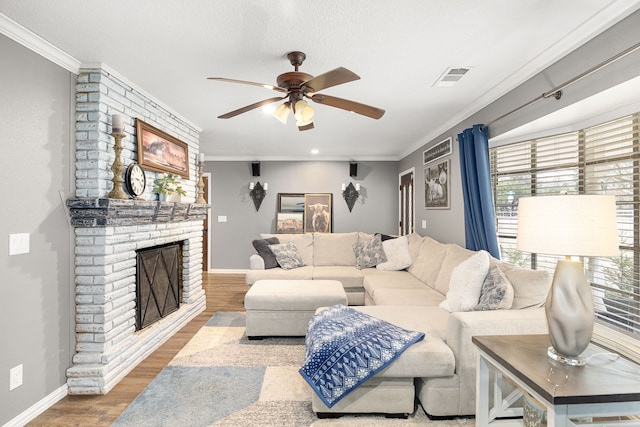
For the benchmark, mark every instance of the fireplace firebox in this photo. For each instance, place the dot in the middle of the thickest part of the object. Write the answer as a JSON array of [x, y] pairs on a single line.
[[158, 288]]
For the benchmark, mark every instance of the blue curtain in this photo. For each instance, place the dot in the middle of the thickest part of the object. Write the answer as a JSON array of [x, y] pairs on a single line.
[[479, 216]]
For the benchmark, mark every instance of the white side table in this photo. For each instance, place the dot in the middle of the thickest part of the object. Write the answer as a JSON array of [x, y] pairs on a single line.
[[605, 387]]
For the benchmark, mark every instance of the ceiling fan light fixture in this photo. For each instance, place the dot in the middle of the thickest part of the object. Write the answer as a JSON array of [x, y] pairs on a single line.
[[303, 112], [282, 112]]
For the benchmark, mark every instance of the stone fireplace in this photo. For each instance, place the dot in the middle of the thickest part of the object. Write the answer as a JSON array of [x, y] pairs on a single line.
[[109, 232]]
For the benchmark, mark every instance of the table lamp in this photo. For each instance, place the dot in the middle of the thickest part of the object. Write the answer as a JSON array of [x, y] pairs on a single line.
[[569, 225]]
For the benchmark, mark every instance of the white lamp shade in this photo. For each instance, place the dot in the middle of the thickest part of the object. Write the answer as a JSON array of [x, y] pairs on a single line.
[[303, 112], [578, 225], [282, 112]]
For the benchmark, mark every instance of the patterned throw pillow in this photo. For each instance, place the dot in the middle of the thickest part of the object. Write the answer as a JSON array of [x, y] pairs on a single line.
[[287, 255], [263, 249], [369, 253], [497, 292]]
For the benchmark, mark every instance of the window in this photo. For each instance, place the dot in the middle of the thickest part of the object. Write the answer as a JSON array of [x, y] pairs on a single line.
[[603, 159]]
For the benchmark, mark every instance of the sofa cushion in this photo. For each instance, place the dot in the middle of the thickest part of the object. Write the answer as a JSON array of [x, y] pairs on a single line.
[[429, 261], [369, 253], [415, 241], [334, 248], [302, 273], [530, 287], [426, 296], [287, 255], [397, 252], [375, 280], [466, 283], [497, 292], [350, 276], [455, 256], [262, 247], [430, 357], [304, 243]]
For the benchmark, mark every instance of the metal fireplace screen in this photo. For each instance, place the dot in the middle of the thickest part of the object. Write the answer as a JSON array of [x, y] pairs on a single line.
[[157, 283]]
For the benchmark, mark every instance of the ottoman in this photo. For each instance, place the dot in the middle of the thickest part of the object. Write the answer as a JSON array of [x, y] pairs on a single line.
[[285, 307]]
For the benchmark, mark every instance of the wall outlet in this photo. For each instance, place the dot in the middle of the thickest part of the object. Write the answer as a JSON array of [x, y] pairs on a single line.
[[222, 218], [424, 223], [15, 377]]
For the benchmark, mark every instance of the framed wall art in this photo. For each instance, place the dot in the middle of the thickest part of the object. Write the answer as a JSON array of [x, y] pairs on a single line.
[[291, 202], [290, 223], [161, 152], [437, 151], [317, 213], [436, 186]]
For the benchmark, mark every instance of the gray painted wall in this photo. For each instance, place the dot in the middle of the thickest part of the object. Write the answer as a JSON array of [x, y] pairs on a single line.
[[448, 226], [375, 211], [36, 320]]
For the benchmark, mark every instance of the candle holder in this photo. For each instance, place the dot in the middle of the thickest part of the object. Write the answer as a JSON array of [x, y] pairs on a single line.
[[117, 168], [200, 198]]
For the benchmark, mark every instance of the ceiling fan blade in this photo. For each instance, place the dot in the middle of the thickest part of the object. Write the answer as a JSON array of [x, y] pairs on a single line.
[[250, 107], [345, 104], [330, 78], [243, 82]]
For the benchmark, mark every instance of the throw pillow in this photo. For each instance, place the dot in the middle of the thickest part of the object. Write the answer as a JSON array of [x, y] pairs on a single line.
[[397, 253], [262, 247], [385, 237], [287, 255], [466, 283], [369, 253], [497, 292]]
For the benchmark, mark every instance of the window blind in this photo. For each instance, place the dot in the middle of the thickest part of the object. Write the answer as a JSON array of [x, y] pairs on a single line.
[[603, 159]]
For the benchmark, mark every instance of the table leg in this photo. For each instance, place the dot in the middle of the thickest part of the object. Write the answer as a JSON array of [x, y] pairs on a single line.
[[482, 391]]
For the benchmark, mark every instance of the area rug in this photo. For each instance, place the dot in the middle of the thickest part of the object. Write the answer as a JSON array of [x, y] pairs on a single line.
[[220, 378]]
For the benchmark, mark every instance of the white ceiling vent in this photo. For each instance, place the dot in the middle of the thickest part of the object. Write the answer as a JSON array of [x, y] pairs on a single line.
[[451, 76]]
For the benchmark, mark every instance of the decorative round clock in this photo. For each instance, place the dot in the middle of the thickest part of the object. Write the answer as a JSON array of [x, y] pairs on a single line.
[[135, 180]]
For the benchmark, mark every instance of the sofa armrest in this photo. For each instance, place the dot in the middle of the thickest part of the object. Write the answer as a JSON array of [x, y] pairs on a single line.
[[256, 262], [462, 326]]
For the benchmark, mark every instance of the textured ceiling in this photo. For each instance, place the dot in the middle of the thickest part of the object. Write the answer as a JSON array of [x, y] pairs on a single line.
[[399, 48]]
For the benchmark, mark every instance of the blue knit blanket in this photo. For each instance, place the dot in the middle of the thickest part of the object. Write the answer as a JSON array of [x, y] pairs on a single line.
[[344, 348]]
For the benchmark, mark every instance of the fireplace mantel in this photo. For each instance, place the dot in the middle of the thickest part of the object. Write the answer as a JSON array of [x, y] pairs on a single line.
[[115, 212]]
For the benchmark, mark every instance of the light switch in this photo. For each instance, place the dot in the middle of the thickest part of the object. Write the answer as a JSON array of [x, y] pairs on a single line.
[[424, 223], [18, 243], [222, 218]]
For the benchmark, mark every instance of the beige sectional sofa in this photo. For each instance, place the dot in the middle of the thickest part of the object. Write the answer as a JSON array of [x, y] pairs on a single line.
[[441, 369]]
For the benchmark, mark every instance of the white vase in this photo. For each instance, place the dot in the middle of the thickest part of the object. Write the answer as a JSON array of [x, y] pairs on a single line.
[[162, 197]]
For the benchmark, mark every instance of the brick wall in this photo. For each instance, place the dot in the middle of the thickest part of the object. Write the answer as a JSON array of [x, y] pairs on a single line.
[[108, 233], [99, 94]]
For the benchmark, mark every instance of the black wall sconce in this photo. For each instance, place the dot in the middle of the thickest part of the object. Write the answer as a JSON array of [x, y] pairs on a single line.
[[257, 193], [350, 194]]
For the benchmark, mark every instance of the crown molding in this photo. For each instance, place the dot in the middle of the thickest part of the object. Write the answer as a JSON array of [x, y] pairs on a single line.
[[32, 41]]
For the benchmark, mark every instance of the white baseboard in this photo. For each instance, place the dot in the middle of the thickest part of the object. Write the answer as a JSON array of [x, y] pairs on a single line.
[[39, 407]]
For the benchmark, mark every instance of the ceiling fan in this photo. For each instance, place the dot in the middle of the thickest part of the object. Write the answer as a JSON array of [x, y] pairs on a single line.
[[298, 85]]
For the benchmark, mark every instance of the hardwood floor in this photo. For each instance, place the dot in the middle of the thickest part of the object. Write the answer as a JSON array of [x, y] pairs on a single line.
[[225, 292]]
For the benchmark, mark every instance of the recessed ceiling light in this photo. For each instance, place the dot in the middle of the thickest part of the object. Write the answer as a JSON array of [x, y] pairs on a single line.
[[315, 151]]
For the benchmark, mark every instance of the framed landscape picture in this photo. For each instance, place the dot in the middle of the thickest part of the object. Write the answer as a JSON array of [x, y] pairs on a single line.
[[289, 223], [317, 213], [161, 152], [291, 202], [436, 186]]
